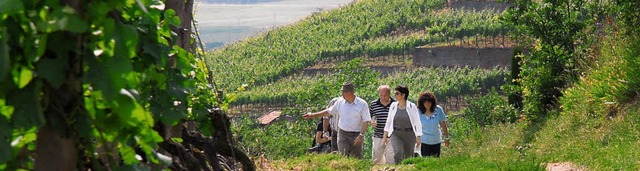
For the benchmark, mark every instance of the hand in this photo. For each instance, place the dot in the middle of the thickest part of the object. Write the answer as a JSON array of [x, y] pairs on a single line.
[[358, 140], [418, 142], [384, 141], [374, 123], [307, 116], [446, 143]]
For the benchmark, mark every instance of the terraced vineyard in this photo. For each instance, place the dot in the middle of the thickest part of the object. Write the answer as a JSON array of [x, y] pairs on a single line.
[[317, 90], [364, 28]]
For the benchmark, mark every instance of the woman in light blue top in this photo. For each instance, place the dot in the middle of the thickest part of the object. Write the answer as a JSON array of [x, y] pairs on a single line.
[[434, 123]]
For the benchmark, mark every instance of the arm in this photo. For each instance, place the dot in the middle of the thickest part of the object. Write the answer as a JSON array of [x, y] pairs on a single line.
[[325, 124], [445, 131], [418, 125], [320, 139], [384, 138], [374, 122], [315, 115], [363, 129]]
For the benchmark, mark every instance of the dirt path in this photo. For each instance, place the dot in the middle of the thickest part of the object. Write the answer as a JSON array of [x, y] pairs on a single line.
[[563, 166]]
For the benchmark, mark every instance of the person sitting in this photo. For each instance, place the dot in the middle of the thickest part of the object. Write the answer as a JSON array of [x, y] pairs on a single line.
[[322, 141]]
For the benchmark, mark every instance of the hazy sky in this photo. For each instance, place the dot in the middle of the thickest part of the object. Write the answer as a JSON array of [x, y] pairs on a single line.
[[230, 22]]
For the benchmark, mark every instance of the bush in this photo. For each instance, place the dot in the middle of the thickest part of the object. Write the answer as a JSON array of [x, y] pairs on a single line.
[[281, 139], [490, 109]]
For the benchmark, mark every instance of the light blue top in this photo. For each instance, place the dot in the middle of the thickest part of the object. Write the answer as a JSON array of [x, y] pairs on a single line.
[[431, 133]]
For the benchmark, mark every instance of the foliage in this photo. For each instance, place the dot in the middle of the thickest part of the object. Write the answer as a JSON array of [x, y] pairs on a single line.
[[101, 73], [490, 109], [553, 28], [316, 90], [268, 140], [598, 125]]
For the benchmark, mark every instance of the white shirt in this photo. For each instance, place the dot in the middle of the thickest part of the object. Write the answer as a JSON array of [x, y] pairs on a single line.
[[350, 115], [414, 117]]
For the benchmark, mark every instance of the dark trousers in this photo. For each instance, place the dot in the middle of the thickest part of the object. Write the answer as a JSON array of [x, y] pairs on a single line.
[[345, 144], [430, 150], [334, 140]]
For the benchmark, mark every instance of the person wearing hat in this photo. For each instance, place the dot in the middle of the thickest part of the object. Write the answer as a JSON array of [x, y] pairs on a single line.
[[353, 118]]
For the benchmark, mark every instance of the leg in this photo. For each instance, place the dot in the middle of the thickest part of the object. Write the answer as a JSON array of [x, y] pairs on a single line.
[[334, 140], [342, 143], [409, 144], [437, 149], [424, 150], [388, 155], [377, 152], [358, 150], [396, 144]]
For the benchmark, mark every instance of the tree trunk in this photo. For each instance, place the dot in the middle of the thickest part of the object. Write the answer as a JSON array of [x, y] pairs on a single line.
[[184, 10], [56, 148], [54, 152]]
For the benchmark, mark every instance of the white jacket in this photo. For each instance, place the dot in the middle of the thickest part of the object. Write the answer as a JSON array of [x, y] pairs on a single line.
[[414, 117]]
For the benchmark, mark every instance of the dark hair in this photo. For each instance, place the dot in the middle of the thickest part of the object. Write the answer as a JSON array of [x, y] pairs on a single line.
[[404, 90], [427, 97]]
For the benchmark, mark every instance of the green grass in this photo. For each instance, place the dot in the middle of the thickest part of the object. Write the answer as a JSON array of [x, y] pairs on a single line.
[[322, 162], [597, 126], [589, 131]]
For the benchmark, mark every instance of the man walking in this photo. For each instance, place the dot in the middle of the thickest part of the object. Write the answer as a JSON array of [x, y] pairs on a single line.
[[353, 119], [379, 111]]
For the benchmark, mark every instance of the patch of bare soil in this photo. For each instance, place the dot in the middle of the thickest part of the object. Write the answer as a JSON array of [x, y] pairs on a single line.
[[564, 166]]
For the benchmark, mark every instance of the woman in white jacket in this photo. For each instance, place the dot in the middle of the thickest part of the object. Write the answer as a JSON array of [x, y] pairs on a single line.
[[403, 127]]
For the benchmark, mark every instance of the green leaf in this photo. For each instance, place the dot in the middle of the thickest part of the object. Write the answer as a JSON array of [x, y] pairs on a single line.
[[124, 107], [24, 138], [10, 6], [5, 110], [27, 112], [171, 17], [126, 41], [53, 70], [178, 140], [128, 154], [67, 20], [25, 77]]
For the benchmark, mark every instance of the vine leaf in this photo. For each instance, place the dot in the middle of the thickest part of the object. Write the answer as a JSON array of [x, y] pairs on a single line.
[[25, 77], [10, 6], [27, 112], [52, 70], [5, 110], [66, 20]]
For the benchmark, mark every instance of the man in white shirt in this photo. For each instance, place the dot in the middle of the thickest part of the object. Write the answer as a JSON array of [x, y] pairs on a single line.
[[353, 119]]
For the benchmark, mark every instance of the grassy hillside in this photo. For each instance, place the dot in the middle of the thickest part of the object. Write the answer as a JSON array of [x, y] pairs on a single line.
[[362, 28], [591, 59]]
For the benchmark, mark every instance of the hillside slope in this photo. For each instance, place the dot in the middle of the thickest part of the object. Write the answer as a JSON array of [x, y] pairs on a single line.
[[364, 28]]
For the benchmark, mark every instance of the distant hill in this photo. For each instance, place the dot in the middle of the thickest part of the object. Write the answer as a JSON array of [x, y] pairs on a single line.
[[239, 1]]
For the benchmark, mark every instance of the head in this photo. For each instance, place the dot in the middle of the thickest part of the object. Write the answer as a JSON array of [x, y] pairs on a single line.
[[427, 101], [384, 92], [348, 91], [401, 93]]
